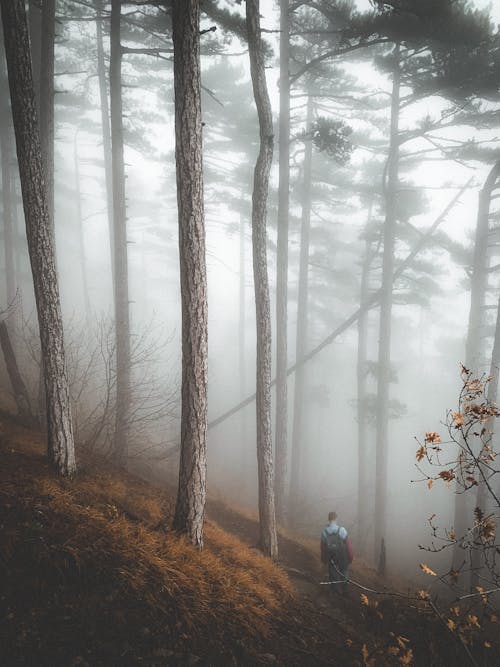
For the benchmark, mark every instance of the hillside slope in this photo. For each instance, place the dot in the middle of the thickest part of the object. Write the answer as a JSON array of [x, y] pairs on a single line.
[[90, 574]]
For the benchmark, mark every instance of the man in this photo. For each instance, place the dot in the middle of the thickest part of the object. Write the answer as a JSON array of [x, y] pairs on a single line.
[[336, 550]]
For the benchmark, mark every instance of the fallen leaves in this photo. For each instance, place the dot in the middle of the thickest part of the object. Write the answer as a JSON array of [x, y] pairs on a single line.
[[473, 620], [367, 661], [407, 658]]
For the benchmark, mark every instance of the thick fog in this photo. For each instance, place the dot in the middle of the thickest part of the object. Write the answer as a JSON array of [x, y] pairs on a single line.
[[450, 153]]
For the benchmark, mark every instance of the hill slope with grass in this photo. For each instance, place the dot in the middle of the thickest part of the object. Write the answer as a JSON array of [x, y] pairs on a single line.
[[91, 574]]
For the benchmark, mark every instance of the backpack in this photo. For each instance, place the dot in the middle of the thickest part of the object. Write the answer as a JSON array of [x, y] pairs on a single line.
[[337, 551]]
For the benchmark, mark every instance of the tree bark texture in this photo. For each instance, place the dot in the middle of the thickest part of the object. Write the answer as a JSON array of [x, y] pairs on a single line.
[[122, 314], [47, 99], [384, 347], [35, 32], [302, 318], [267, 518], [191, 495], [281, 441], [61, 449]]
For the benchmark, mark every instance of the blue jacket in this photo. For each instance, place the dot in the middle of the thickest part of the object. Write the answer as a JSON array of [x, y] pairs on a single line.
[[330, 529]]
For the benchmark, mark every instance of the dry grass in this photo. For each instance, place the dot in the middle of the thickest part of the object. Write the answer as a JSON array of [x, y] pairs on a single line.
[[104, 536], [91, 575]]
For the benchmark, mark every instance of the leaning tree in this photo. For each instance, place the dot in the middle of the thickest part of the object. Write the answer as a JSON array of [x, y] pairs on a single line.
[[60, 441]]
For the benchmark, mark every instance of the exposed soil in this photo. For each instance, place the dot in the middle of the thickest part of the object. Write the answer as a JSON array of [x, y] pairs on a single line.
[[132, 593]]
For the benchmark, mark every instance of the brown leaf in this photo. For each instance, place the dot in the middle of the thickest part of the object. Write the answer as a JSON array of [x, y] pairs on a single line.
[[473, 620], [475, 385], [407, 659], [427, 570], [447, 475], [420, 453]]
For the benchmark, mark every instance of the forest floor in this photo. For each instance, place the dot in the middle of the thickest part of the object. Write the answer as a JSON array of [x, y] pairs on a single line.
[[91, 575]]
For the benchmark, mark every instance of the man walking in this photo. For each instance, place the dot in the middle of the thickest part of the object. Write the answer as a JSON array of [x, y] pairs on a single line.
[[336, 550]]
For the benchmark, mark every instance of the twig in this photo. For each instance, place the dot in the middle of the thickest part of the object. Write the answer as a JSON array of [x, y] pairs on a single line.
[[457, 635], [473, 595], [299, 573], [366, 588]]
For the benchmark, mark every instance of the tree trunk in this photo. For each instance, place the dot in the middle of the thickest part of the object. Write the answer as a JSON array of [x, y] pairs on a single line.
[[47, 100], [61, 449], [346, 324], [191, 494], [473, 345], [7, 186], [384, 348], [10, 272], [18, 387], [482, 499], [35, 32], [267, 518], [242, 323], [479, 279], [281, 444], [106, 134], [302, 318], [122, 315], [363, 505], [81, 236], [45, 43]]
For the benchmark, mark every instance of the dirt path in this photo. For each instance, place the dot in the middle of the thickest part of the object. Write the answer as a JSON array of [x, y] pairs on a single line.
[[333, 620], [320, 627]]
